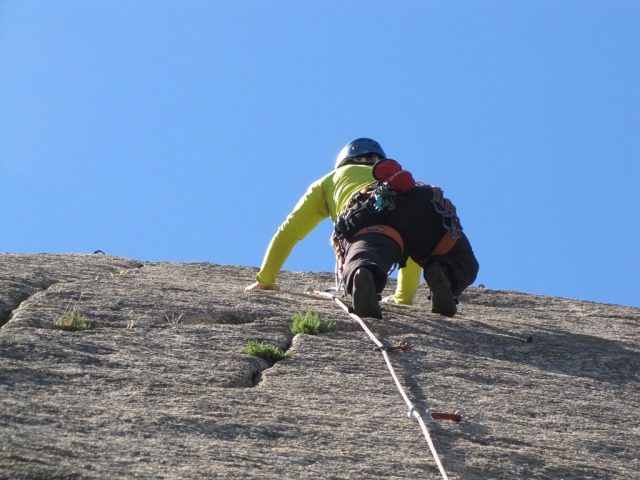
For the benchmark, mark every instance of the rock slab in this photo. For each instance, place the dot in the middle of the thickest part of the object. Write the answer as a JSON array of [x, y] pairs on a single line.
[[161, 386]]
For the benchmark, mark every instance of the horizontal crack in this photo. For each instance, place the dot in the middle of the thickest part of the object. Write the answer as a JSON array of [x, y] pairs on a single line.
[[16, 292], [8, 307]]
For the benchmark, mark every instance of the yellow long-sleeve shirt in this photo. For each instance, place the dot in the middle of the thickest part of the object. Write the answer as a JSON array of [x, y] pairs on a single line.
[[324, 198]]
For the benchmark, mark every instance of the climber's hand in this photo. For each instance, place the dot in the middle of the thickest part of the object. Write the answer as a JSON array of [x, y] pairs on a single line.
[[261, 286], [389, 299]]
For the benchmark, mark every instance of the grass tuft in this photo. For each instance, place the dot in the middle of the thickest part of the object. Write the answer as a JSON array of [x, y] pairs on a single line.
[[271, 353], [174, 318], [311, 323], [72, 321]]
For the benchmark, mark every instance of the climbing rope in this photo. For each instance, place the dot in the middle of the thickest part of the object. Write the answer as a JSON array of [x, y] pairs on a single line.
[[414, 412]]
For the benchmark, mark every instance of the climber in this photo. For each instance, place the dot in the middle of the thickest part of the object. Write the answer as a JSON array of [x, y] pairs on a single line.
[[383, 218]]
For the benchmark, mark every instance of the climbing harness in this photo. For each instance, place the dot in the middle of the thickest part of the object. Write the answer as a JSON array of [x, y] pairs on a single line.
[[381, 196], [414, 412], [384, 230]]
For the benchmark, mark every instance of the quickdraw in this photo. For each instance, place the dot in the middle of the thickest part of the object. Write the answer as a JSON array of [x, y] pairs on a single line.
[[437, 417], [383, 199], [447, 211], [403, 347]]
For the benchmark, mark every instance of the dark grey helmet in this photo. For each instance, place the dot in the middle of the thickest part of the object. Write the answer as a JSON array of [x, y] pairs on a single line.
[[360, 151]]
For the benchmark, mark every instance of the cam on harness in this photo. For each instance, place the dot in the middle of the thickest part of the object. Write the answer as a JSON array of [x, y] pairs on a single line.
[[391, 181]]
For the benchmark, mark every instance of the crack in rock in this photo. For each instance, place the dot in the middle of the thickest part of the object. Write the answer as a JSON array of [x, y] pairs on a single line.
[[7, 307], [23, 276], [257, 376]]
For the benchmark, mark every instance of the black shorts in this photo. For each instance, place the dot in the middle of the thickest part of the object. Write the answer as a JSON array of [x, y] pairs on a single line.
[[375, 251]]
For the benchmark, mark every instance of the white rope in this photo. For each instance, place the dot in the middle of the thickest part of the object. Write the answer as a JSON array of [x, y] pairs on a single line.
[[413, 411]]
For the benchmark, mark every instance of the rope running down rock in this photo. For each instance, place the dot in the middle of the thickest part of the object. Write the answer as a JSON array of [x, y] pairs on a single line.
[[414, 413]]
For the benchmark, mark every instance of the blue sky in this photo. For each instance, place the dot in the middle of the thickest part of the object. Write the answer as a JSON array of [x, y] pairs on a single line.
[[187, 130]]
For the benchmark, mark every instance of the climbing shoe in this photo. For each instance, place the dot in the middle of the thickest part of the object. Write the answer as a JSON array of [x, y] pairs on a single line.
[[365, 297], [442, 299]]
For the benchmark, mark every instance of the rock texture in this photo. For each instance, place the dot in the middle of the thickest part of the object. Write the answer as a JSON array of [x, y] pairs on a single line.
[[161, 386]]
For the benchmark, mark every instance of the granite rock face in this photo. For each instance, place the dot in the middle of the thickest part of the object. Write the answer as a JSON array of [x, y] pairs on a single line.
[[161, 386]]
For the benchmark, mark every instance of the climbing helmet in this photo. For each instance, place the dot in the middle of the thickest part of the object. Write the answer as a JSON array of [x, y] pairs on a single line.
[[363, 151]]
